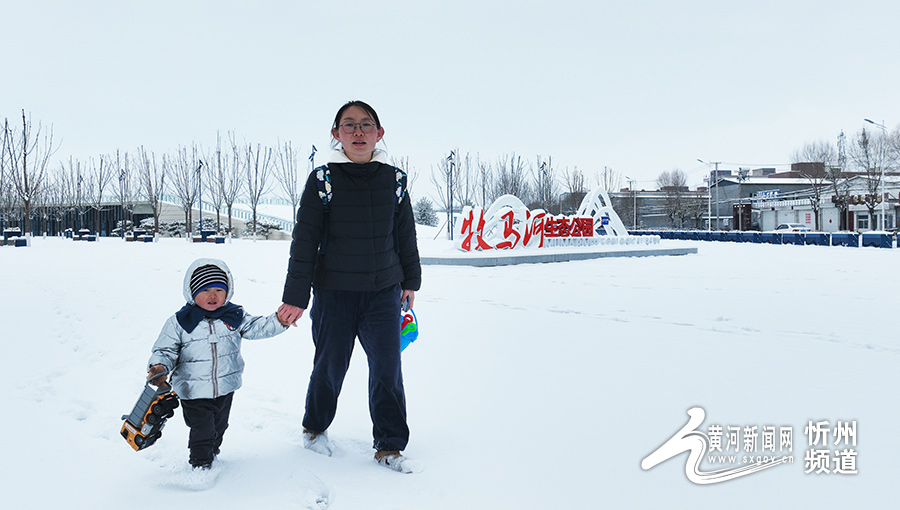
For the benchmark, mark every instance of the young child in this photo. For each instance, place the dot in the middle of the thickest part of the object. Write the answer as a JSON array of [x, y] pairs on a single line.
[[201, 347]]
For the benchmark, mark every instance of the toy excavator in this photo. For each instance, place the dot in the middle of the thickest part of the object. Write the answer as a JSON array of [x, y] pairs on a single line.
[[145, 423]]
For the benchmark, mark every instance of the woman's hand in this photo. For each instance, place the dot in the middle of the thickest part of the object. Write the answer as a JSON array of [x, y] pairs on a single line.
[[288, 314], [408, 294]]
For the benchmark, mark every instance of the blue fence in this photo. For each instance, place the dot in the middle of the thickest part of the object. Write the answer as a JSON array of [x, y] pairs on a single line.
[[851, 239]]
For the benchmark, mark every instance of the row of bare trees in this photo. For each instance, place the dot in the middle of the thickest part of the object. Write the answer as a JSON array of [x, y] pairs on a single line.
[[23, 165], [232, 171], [682, 208], [467, 180], [869, 154], [219, 177]]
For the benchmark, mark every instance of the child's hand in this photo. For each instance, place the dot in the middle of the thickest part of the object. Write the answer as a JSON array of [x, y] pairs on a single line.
[[154, 378]]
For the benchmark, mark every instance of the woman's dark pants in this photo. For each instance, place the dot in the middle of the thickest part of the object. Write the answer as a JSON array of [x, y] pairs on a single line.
[[338, 318]]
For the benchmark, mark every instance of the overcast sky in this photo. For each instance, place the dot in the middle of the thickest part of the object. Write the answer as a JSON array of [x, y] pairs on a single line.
[[641, 87]]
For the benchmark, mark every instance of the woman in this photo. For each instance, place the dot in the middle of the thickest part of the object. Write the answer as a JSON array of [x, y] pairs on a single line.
[[354, 244]]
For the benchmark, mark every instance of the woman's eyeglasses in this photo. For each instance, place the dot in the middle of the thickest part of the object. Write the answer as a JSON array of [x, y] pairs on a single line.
[[364, 126]]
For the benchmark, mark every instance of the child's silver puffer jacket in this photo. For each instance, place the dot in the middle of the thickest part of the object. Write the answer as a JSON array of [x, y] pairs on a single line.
[[207, 362]]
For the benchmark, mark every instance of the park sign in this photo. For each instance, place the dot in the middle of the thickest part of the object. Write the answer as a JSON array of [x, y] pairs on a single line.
[[508, 225]]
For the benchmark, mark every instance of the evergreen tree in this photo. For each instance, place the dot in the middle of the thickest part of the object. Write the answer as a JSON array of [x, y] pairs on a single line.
[[423, 211], [263, 229]]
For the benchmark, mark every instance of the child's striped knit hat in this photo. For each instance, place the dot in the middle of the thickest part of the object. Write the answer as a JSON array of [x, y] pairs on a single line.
[[206, 277]]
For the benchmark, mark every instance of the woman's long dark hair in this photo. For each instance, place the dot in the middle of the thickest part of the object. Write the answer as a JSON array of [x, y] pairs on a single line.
[[368, 109]]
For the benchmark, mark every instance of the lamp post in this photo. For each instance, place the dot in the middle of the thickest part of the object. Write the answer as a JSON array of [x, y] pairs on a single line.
[[883, 198], [708, 180], [78, 202], [543, 184], [450, 159], [200, 197], [633, 203], [716, 177], [122, 196]]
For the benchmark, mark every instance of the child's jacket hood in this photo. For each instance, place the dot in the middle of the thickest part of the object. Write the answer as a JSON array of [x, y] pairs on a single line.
[[202, 262]]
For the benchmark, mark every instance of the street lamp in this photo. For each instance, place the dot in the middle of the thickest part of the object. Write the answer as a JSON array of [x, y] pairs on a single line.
[[883, 198], [633, 203], [122, 195], [708, 180], [449, 202], [200, 197], [716, 176]]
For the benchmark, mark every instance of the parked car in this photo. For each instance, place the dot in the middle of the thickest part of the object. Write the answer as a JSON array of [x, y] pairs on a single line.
[[791, 227]]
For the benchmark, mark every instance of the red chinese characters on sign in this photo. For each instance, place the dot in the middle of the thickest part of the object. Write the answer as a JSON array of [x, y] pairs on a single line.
[[569, 227], [473, 226], [511, 230], [534, 229], [511, 236]]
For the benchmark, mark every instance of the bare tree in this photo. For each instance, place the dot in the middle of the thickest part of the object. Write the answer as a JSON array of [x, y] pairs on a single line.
[[467, 180], [674, 185], [411, 174], [6, 192], [894, 147], [99, 178], [485, 177], [257, 174], [153, 182], [823, 156], [872, 156], [124, 192], [201, 162], [232, 181], [815, 152], [445, 180], [840, 186], [184, 172], [8, 204], [57, 199], [74, 189], [27, 155], [574, 181], [215, 180], [695, 207], [65, 191], [510, 178], [546, 186], [574, 184], [609, 179], [840, 182], [288, 176]]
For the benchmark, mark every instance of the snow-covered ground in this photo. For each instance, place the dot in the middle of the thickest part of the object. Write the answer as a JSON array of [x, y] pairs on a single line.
[[530, 387]]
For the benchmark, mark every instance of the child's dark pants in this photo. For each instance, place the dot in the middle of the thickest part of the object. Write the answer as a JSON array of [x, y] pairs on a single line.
[[207, 419], [338, 318]]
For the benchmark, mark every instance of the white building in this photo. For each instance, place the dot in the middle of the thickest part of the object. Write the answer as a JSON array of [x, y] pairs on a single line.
[[856, 216]]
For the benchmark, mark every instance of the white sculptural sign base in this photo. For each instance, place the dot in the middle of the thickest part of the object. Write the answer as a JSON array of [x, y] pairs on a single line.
[[508, 225]]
